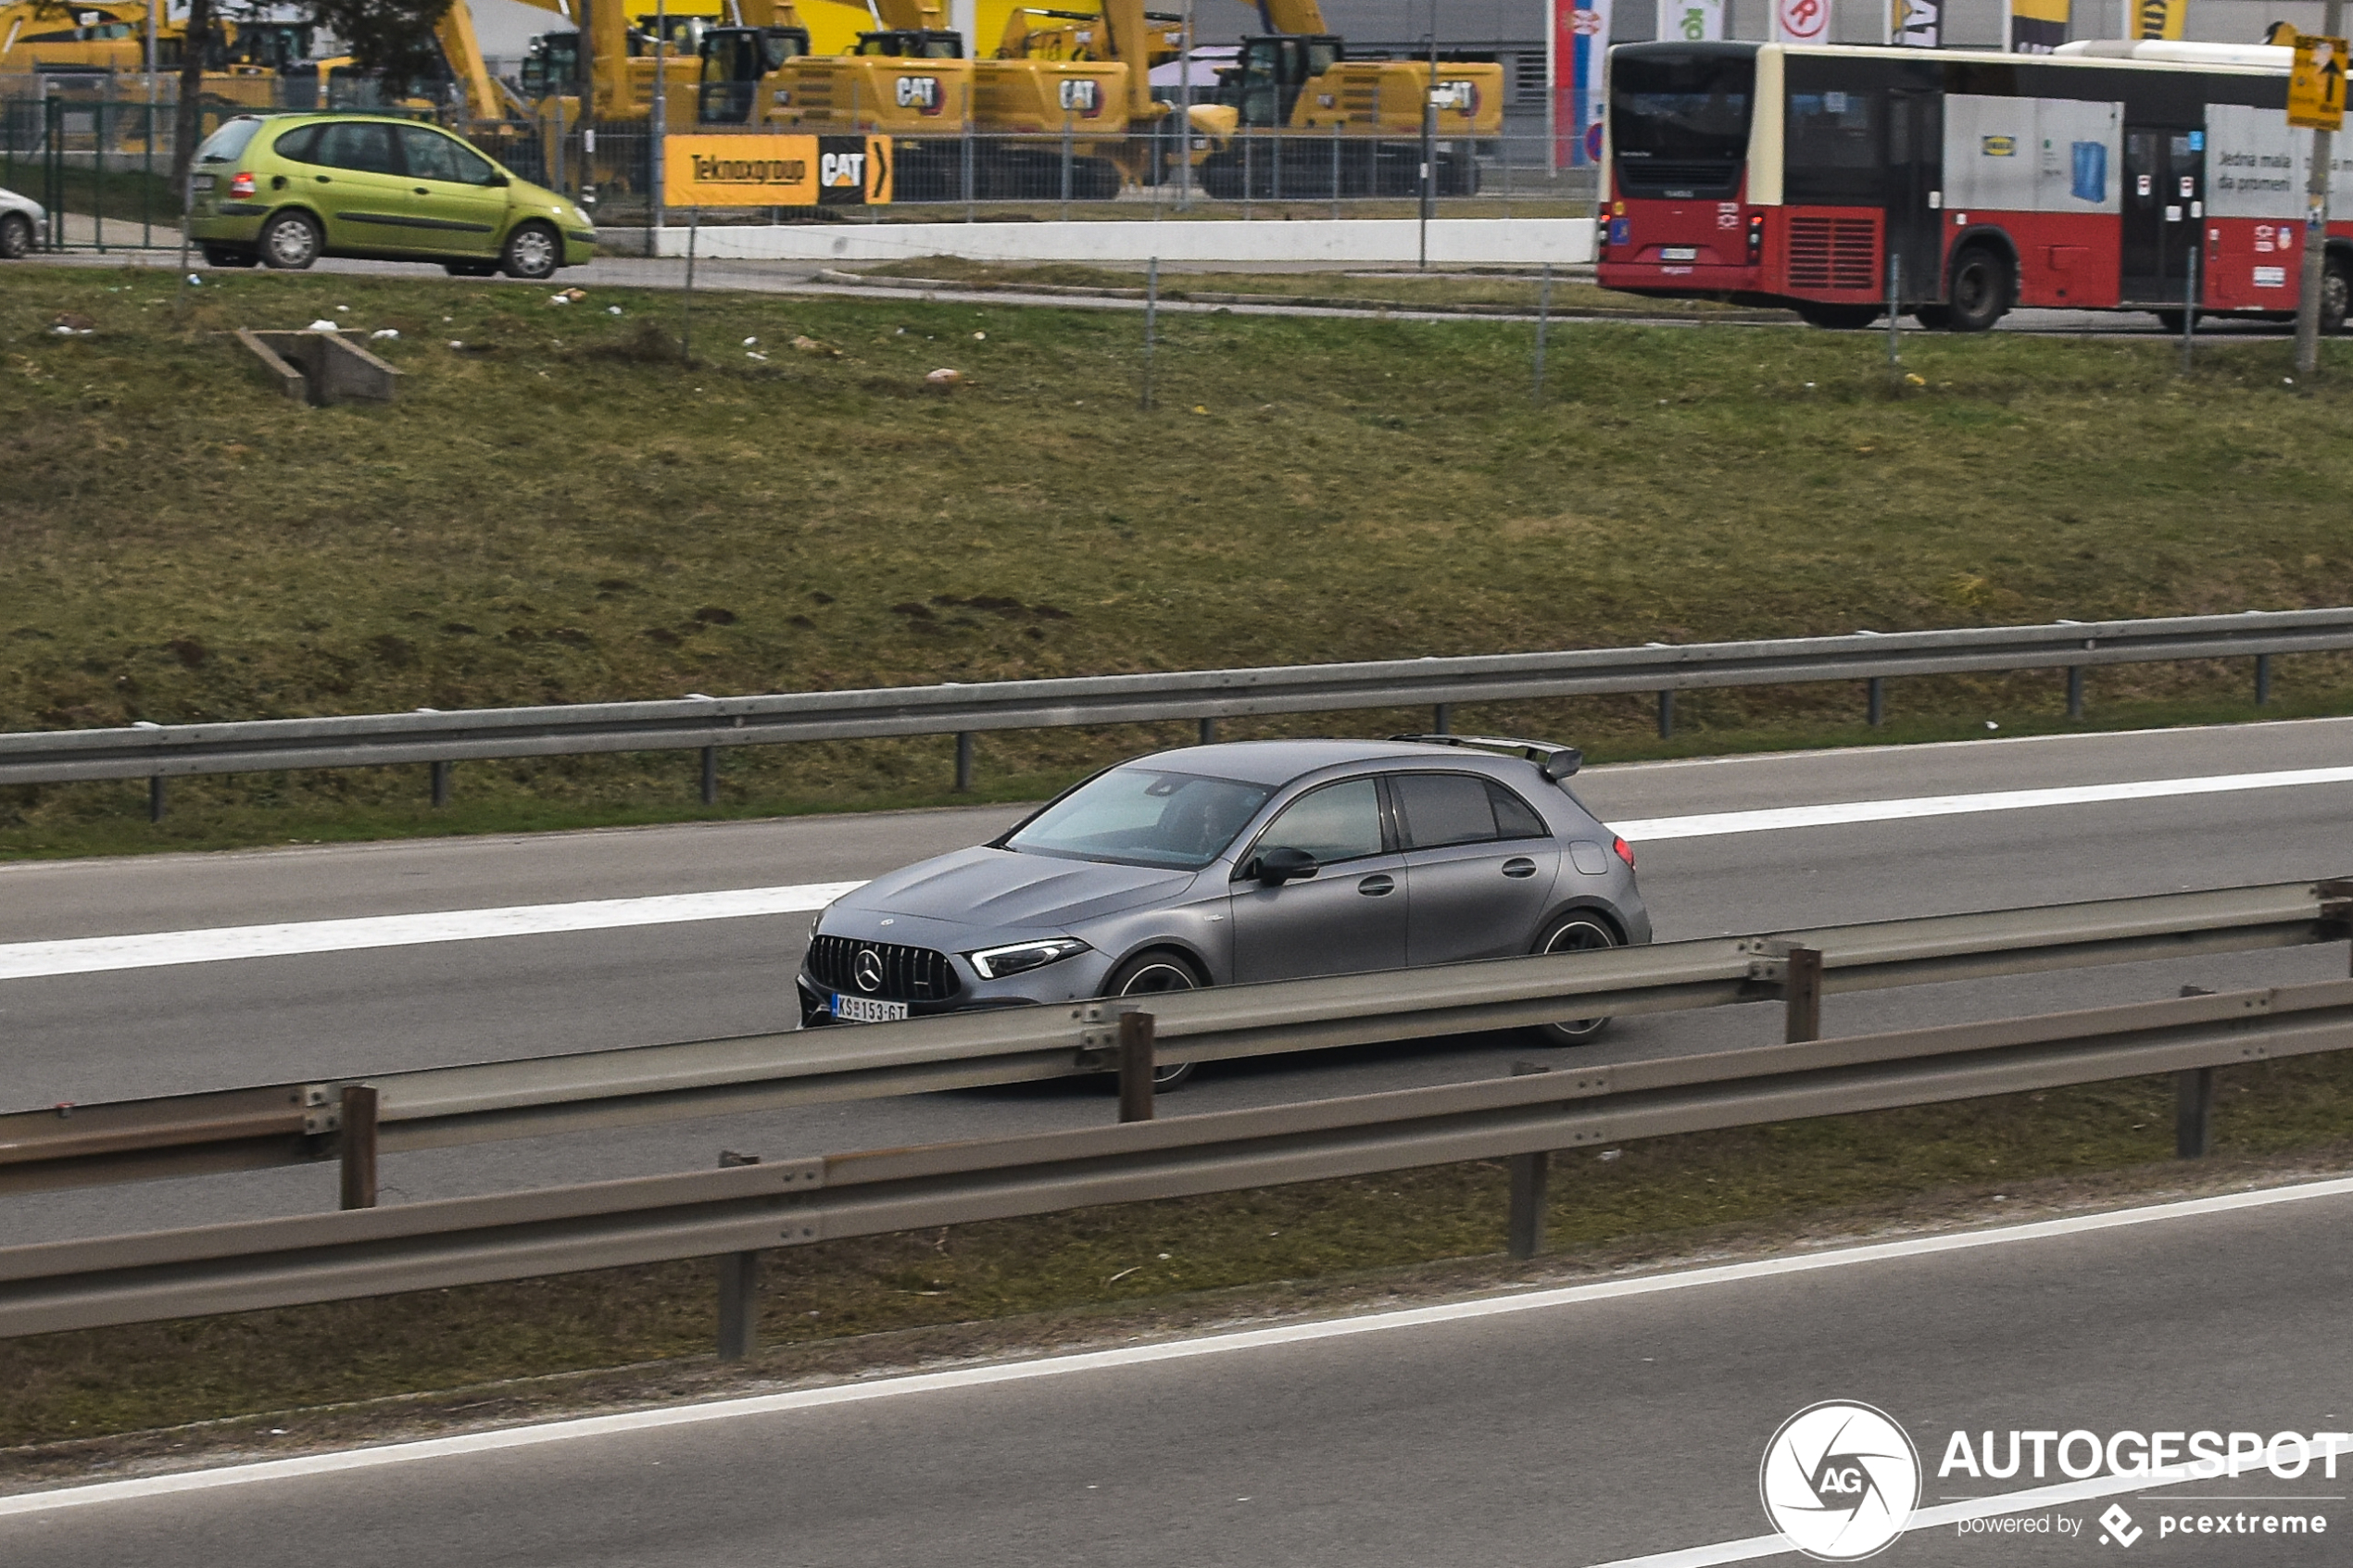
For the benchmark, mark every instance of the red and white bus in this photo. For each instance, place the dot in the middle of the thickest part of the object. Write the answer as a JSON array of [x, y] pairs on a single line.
[[1778, 174]]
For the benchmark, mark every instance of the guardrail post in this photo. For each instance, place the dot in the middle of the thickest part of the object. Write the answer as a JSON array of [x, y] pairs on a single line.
[[1441, 719], [441, 784], [359, 1142], [1875, 704], [2262, 679], [1802, 996], [963, 761], [155, 798], [711, 776], [1136, 1065], [2194, 1113], [1524, 1229], [739, 1288], [2075, 690], [1666, 715], [1209, 731]]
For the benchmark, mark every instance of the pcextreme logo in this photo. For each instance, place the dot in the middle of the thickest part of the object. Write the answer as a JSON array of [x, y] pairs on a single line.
[[1840, 1481]]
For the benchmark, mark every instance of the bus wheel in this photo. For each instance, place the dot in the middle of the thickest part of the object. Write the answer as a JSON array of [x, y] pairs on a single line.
[[2336, 296], [1838, 317], [1981, 289]]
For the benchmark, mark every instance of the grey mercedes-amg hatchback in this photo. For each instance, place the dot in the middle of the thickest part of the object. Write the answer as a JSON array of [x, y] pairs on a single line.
[[1246, 861]]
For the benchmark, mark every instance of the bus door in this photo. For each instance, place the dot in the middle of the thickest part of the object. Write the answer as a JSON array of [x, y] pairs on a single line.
[[1915, 173], [2164, 199]]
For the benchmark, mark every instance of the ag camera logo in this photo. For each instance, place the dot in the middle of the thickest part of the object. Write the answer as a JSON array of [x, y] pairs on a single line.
[[1840, 1481]]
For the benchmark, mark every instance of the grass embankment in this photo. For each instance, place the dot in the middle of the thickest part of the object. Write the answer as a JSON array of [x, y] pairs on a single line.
[[556, 510], [1282, 1248], [1515, 290]]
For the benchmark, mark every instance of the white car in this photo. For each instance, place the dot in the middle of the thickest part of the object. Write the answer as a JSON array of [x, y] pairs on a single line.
[[21, 221]]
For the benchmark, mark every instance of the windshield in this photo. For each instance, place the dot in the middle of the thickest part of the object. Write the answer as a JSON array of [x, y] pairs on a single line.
[[224, 144], [1679, 117], [1143, 817]]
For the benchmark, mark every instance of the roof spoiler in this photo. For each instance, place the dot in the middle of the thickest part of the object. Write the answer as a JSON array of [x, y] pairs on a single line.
[[1555, 762]]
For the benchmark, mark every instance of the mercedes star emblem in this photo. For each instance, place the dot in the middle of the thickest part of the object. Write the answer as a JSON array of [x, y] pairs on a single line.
[[868, 970]]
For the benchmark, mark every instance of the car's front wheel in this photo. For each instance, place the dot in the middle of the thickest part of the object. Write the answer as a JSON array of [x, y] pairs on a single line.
[[533, 253], [291, 241], [16, 235], [1579, 930], [1152, 975]]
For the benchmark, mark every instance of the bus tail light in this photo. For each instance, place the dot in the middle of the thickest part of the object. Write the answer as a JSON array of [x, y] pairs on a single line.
[[1755, 237], [241, 184]]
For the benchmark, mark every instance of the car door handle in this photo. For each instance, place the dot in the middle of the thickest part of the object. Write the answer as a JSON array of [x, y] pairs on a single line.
[[1375, 886], [325, 181], [1519, 865]]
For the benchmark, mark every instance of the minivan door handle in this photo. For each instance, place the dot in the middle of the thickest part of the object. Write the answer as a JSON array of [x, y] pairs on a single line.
[[1376, 886]]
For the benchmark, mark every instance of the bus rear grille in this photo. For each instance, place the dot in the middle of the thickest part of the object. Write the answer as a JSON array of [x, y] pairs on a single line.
[[1833, 252]]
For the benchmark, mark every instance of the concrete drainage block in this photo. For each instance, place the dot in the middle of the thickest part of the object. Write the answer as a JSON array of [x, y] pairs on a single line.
[[321, 368]]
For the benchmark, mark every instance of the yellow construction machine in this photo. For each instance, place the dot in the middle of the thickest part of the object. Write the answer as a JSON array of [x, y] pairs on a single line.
[[1358, 124]]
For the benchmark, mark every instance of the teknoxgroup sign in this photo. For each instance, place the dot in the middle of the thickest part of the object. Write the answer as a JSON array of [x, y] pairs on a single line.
[[764, 171]]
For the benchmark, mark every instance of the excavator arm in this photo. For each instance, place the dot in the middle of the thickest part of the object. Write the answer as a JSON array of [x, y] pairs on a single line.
[[463, 49], [1290, 16]]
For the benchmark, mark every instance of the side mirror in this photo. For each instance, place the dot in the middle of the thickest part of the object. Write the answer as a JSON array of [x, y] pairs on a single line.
[[1276, 867]]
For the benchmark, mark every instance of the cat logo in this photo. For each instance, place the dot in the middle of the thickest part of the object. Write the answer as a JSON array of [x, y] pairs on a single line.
[[1082, 96], [1998, 146], [921, 92], [842, 171], [1455, 98]]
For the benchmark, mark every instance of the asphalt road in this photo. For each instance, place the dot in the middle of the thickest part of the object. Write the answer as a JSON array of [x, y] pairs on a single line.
[[1581, 1433], [126, 1033]]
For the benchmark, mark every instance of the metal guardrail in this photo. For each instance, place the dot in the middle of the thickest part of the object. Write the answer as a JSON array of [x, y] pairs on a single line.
[[162, 751], [293, 1124], [737, 1212]]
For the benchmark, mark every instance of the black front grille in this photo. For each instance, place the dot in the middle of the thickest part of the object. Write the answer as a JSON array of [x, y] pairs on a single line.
[[909, 974], [1694, 177]]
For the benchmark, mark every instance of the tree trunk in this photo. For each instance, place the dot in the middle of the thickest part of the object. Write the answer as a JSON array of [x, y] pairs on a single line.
[[189, 119]]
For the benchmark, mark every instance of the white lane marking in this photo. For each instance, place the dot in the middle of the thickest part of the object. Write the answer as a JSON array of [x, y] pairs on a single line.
[[1135, 1355], [1717, 823], [84, 954], [1758, 1546]]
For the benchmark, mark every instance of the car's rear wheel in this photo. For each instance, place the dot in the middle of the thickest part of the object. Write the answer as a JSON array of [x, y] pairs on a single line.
[[16, 235], [533, 252], [1579, 930], [291, 241], [1151, 974]]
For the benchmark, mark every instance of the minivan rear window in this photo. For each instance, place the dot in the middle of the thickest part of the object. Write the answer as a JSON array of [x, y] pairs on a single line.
[[224, 144]]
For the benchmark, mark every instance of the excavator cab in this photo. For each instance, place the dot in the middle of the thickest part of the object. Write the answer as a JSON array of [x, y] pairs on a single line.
[[735, 61], [1264, 85], [552, 67], [912, 44]]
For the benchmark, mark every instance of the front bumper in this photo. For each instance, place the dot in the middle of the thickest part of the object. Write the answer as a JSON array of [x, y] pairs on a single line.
[[1080, 975]]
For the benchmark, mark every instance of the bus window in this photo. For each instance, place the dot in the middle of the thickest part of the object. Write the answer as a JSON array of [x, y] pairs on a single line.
[[1834, 150], [1679, 119]]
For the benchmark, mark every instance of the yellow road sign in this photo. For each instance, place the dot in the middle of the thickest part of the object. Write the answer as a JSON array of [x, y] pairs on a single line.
[[2316, 90]]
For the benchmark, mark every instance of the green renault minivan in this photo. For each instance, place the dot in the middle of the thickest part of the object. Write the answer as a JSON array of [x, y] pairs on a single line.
[[284, 190]]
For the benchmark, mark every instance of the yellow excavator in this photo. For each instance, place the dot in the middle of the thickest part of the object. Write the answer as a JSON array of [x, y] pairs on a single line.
[[1366, 117]]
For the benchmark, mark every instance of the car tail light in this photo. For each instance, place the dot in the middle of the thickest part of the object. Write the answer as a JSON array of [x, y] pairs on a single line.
[[241, 184], [1625, 851]]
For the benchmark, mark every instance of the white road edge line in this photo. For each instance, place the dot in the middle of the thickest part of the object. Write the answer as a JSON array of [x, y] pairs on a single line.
[[1136, 1355], [87, 955]]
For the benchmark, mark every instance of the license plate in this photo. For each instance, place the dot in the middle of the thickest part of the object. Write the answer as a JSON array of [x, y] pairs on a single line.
[[1680, 253], [204, 182], [867, 1010]]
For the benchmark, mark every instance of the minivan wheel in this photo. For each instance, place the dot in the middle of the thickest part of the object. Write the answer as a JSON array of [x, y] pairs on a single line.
[[533, 252], [289, 242], [16, 235], [1154, 974], [1580, 931]]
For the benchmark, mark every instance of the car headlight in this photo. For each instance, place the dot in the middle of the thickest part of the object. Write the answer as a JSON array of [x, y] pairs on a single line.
[[995, 963]]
